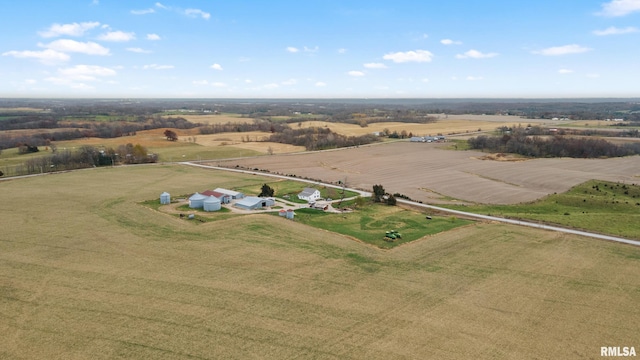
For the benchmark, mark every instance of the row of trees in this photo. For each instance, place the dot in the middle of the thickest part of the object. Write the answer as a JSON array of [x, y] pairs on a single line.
[[556, 146], [320, 138]]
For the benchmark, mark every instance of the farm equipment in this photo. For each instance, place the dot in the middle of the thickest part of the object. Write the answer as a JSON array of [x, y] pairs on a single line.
[[392, 235]]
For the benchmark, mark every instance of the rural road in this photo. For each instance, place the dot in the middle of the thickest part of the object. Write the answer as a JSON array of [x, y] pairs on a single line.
[[437, 208]]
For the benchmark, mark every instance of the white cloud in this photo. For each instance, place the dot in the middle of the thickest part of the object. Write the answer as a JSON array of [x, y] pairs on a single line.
[[216, 67], [375, 66], [474, 78], [197, 13], [321, 84], [311, 50], [271, 86], [139, 50], [48, 56], [248, 81], [562, 50], [475, 54], [450, 42], [615, 31], [409, 56], [153, 37], [117, 36], [355, 73], [161, 6], [292, 49], [565, 71], [157, 67], [67, 45], [289, 82], [620, 7], [425, 80], [73, 29], [143, 11], [76, 77]]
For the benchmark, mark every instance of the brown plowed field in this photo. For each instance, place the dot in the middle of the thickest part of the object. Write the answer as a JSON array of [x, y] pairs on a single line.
[[428, 173]]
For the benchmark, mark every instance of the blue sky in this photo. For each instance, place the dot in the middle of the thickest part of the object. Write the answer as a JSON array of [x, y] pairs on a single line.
[[320, 49]]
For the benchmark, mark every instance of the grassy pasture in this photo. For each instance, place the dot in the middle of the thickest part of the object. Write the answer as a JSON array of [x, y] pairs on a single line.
[[293, 188], [87, 272], [369, 224], [601, 206]]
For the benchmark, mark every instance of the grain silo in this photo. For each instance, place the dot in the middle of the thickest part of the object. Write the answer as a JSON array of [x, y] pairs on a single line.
[[211, 203], [196, 201], [165, 198], [290, 214]]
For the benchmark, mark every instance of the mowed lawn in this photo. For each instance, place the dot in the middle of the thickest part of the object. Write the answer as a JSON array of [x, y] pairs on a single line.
[[88, 272]]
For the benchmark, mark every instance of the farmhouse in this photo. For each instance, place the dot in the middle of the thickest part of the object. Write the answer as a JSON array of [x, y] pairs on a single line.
[[309, 194], [224, 198], [233, 194], [253, 203]]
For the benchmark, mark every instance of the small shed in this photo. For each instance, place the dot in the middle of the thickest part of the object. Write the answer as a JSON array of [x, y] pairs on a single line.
[[211, 203], [234, 194], [196, 201], [165, 198]]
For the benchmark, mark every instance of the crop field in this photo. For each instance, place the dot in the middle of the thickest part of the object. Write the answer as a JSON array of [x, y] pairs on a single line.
[[88, 272], [425, 172]]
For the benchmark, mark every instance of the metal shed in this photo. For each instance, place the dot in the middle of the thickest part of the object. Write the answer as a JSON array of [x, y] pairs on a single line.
[[253, 203]]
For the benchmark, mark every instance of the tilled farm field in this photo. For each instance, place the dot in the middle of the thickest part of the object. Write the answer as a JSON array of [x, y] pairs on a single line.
[[426, 172]]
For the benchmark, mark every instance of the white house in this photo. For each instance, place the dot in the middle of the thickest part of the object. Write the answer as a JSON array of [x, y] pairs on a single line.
[[309, 194]]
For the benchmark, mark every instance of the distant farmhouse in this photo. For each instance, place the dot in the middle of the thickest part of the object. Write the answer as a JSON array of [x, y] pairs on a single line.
[[254, 203], [309, 194], [427, 139]]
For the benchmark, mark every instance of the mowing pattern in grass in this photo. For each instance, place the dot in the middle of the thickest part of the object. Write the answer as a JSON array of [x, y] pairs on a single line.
[[604, 207], [371, 222]]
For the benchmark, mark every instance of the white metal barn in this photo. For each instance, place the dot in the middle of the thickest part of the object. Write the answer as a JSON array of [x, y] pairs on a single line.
[[253, 203], [233, 194], [165, 198], [196, 201], [211, 203]]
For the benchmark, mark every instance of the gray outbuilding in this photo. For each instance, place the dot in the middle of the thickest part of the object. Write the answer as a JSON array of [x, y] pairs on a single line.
[[253, 203]]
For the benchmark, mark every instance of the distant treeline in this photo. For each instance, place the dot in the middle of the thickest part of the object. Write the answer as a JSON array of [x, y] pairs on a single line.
[[320, 138], [555, 146], [86, 157], [82, 129]]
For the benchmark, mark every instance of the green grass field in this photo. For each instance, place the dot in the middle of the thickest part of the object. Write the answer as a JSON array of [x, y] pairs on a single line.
[[600, 206], [86, 271], [370, 223], [289, 190]]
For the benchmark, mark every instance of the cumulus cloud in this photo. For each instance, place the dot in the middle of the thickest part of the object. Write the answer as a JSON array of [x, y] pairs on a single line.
[[117, 36], [76, 77], [68, 45], [311, 50], [355, 73], [565, 71], [615, 31], [321, 84], [375, 66], [475, 54], [450, 42], [161, 6], [153, 37], [197, 13], [292, 49], [157, 67], [48, 57], [139, 50], [73, 29], [143, 11], [216, 67], [620, 7], [409, 56], [562, 50]]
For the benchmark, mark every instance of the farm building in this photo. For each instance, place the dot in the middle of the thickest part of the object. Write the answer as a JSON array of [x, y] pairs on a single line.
[[196, 201], [417, 139], [309, 194], [289, 214], [224, 198], [253, 203], [234, 194], [211, 203], [165, 198]]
